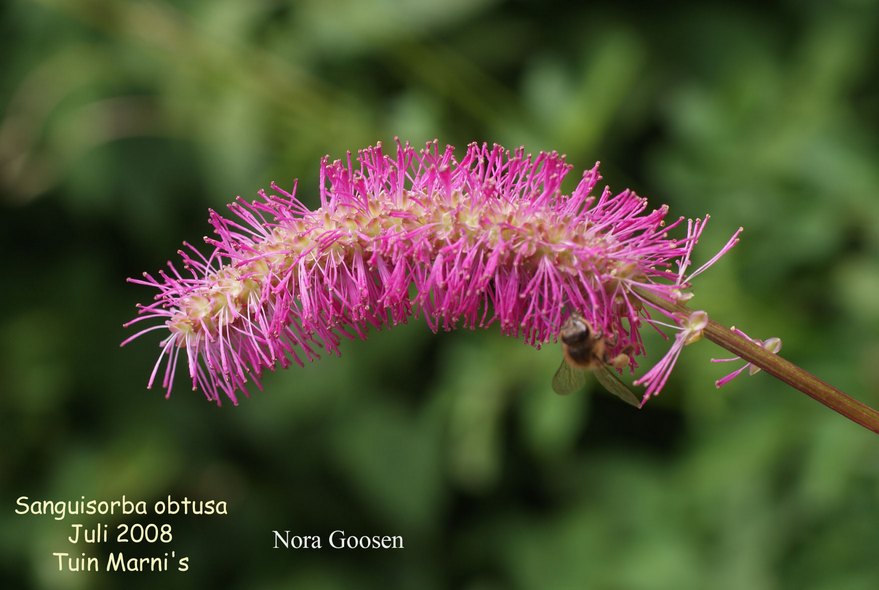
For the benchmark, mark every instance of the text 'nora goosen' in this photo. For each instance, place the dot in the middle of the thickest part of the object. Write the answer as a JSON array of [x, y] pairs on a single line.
[[336, 540]]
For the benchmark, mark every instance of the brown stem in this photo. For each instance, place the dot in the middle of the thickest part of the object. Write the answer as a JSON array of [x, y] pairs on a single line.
[[778, 367]]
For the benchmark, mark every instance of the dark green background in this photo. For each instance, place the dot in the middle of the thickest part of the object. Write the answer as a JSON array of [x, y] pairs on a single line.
[[124, 121]]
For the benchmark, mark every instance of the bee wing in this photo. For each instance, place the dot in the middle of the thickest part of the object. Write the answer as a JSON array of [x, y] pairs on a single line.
[[612, 382], [568, 379]]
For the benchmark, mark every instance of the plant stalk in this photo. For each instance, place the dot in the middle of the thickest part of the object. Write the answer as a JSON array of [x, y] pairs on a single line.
[[778, 367]]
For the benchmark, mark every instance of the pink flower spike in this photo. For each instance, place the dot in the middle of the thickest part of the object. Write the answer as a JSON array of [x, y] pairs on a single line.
[[484, 238], [772, 345]]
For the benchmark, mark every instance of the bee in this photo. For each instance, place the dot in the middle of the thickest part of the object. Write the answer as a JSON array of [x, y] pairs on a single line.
[[586, 351]]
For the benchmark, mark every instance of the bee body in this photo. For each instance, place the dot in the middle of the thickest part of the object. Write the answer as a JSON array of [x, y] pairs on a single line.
[[586, 350]]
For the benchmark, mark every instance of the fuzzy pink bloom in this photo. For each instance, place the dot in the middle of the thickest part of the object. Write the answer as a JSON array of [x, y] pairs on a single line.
[[468, 243]]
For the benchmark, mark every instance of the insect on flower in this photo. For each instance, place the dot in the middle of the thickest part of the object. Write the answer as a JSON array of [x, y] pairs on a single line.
[[586, 350]]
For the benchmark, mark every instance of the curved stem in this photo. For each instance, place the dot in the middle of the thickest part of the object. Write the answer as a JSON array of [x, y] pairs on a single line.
[[779, 368]]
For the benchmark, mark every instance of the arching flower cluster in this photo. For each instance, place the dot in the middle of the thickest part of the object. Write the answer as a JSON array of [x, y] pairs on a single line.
[[487, 239]]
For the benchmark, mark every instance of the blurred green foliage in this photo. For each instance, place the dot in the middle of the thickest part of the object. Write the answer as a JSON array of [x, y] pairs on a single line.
[[124, 121]]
